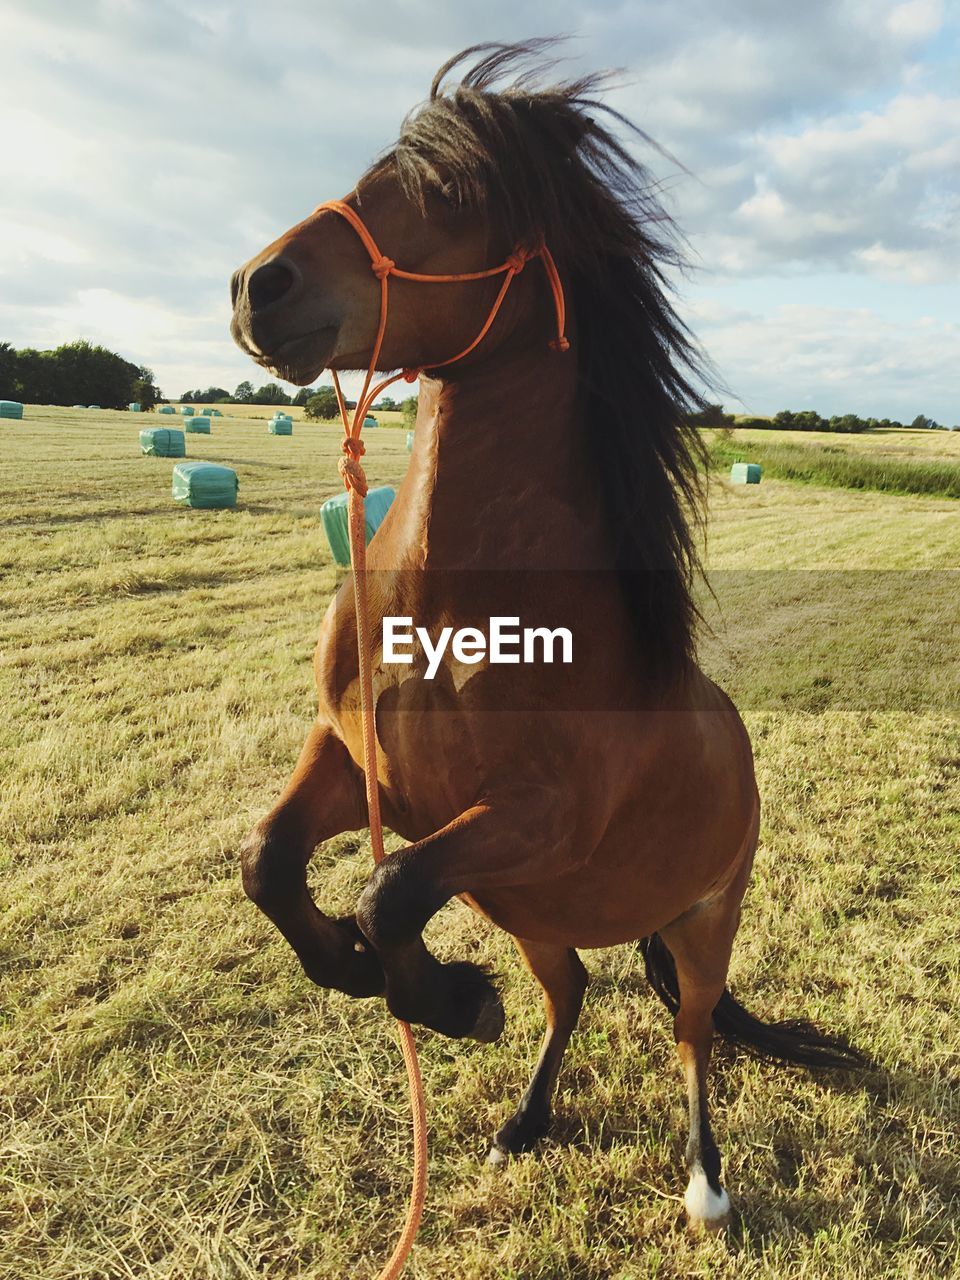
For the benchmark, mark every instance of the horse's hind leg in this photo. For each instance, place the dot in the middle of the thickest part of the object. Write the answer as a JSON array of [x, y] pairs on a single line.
[[323, 797], [701, 942], [564, 981]]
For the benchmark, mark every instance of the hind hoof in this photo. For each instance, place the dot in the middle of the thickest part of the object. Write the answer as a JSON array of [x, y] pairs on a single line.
[[708, 1211]]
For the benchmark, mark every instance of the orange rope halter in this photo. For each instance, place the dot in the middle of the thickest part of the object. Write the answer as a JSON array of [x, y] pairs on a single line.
[[355, 480]]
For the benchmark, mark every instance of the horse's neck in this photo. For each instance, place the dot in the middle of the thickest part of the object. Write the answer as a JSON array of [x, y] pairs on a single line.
[[500, 475]]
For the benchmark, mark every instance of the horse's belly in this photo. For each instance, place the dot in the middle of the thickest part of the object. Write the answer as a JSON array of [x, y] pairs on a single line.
[[669, 848]]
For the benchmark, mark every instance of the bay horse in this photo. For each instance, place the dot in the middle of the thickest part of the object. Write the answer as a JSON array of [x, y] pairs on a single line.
[[576, 805]]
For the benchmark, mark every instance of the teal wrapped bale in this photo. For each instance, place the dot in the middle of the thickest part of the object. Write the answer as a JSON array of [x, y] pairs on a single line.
[[159, 442], [745, 473], [214, 413], [370, 421], [199, 426], [166, 408], [409, 442], [79, 406], [133, 407], [280, 427], [11, 409], [186, 411], [333, 513], [93, 406], [204, 484]]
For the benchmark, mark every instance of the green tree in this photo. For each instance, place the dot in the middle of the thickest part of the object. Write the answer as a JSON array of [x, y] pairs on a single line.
[[387, 404], [212, 395], [145, 391], [271, 393], [304, 394], [9, 387], [322, 405], [244, 393], [409, 410]]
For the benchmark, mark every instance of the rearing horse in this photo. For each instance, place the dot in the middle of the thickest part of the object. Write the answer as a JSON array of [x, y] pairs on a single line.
[[574, 805]]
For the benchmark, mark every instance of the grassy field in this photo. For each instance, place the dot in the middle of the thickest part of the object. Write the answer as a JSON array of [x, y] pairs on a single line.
[[887, 461], [180, 1104], [902, 444]]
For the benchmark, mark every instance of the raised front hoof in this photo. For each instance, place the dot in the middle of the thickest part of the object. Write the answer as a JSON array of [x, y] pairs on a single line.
[[351, 965], [518, 1136], [463, 1005], [708, 1209]]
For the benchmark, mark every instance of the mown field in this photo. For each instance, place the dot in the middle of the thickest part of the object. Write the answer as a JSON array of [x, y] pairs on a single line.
[[179, 1102], [246, 412]]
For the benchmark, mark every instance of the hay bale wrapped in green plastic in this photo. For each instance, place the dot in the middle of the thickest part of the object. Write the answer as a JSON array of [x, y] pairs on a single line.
[[204, 484], [409, 442], [133, 406], [280, 426], [186, 411], [159, 442], [199, 426], [745, 473], [333, 513], [166, 408], [11, 409], [370, 421]]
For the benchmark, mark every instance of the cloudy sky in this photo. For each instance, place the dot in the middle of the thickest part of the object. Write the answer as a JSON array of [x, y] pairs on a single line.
[[151, 146]]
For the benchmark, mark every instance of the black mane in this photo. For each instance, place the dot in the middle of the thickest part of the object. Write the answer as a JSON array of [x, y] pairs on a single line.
[[543, 161]]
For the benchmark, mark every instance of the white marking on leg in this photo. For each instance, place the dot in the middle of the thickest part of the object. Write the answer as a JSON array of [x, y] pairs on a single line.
[[702, 1202]]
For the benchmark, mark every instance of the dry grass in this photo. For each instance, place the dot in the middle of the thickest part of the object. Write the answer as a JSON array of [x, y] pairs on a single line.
[[179, 1102], [244, 412]]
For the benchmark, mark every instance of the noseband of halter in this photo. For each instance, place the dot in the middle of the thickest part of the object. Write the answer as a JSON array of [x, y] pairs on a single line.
[[383, 268]]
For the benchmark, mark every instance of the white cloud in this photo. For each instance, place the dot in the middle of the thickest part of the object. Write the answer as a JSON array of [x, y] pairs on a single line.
[[158, 143], [833, 359], [917, 19]]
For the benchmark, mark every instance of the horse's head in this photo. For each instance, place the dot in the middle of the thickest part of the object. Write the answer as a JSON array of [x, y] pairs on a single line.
[[311, 299]]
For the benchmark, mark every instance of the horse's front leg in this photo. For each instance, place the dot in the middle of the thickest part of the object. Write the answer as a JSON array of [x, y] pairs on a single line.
[[491, 845], [323, 797]]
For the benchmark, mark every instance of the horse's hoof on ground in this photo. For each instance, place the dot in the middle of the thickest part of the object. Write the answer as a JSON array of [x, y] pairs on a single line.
[[708, 1211], [522, 1132], [497, 1159]]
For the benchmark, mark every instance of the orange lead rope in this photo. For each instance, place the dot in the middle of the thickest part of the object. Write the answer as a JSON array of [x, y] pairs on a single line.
[[355, 480], [358, 555]]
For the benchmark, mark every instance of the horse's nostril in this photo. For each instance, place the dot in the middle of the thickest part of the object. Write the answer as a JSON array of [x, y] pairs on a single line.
[[269, 283], [235, 280]]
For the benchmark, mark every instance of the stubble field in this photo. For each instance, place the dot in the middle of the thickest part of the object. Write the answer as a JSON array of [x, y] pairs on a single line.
[[180, 1103]]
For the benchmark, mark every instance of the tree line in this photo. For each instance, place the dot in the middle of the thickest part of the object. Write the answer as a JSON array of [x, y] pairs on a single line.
[[712, 415], [322, 405], [75, 373]]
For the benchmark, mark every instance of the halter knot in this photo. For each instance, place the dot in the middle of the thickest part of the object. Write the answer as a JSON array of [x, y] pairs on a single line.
[[560, 344], [518, 260], [411, 375], [354, 476], [382, 267], [352, 447]]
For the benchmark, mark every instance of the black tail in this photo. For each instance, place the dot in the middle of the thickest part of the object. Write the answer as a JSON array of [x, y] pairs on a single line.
[[793, 1041]]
